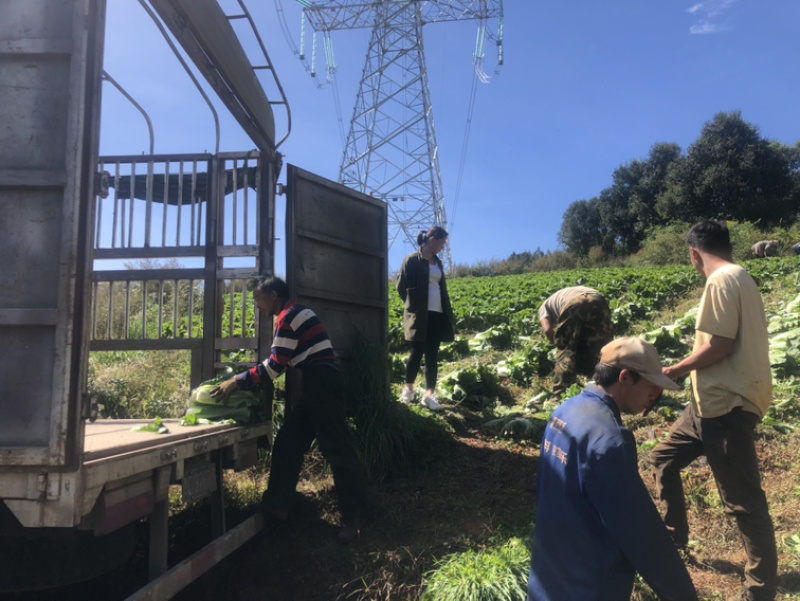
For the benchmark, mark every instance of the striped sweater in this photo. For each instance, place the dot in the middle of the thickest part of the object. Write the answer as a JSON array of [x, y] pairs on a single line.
[[300, 340]]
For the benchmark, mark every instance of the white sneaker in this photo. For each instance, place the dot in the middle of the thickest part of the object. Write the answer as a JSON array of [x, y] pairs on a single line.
[[407, 396], [431, 402]]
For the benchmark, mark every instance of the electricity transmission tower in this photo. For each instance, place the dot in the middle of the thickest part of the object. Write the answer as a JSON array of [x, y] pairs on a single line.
[[391, 151]]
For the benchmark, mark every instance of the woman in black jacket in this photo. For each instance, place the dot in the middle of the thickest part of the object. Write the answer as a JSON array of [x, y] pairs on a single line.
[[428, 315]]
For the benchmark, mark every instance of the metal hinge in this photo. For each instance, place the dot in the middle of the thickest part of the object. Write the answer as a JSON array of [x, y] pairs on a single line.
[[101, 184], [90, 407]]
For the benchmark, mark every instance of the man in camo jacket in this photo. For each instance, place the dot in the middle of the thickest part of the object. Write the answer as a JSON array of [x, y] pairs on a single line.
[[765, 248], [578, 321]]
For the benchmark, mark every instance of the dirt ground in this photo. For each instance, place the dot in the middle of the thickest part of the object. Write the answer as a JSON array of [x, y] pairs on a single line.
[[467, 489], [470, 490]]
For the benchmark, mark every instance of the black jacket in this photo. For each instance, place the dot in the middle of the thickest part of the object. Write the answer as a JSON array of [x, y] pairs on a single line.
[[412, 286]]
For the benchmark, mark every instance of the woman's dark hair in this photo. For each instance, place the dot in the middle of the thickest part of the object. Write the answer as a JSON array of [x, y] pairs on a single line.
[[436, 232], [605, 375], [711, 237], [273, 283]]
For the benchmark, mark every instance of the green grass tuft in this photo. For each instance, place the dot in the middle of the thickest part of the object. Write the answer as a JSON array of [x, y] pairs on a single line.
[[496, 574], [390, 437]]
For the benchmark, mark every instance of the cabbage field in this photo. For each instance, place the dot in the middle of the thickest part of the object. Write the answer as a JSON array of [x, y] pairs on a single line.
[[500, 342]]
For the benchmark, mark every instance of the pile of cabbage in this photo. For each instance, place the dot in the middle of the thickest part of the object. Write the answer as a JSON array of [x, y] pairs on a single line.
[[242, 405]]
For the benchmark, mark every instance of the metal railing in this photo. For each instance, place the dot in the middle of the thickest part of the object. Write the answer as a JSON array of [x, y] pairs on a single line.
[[177, 238]]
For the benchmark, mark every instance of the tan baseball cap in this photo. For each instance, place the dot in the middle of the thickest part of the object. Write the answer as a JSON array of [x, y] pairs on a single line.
[[635, 354]]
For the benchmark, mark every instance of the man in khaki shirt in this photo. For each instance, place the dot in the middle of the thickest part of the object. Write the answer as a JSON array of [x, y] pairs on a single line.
[[731, 392], [578, 321]]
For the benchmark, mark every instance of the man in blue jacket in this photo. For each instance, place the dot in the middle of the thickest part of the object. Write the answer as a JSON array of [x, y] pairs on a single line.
[[596, 525]]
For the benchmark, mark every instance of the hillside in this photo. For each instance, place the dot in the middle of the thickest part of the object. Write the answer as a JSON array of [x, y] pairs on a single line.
[[458, 518]]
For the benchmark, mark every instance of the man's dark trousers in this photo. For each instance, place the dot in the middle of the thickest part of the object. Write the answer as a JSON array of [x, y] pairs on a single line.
[[320, 414], [728, 444]]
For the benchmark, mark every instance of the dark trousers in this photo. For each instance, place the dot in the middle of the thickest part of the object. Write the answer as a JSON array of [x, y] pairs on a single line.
[[430, 349], [319, 414], [728, 444]]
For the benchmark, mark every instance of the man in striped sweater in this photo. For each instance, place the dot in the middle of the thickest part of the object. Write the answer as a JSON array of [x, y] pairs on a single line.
[[301, 341]]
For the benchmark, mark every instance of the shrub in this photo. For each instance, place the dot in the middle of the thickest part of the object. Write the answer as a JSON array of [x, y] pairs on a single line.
[[140, 384], [663, 246], [558, 260]]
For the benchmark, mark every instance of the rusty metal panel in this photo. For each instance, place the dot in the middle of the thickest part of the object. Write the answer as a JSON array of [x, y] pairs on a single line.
[[198, 482], [336, 255], [50, 55]]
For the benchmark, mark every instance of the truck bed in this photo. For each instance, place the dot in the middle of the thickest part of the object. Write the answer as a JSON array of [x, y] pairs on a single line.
[[109, 437], [119, 466]]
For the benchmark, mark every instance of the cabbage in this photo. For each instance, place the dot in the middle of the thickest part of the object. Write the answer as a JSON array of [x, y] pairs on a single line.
[[240, 398], [203, 408], [218, 413]]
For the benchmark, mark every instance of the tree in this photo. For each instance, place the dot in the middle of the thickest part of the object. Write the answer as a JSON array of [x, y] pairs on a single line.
[[628, 207], [791, 155], [581, 227], [730, 172]]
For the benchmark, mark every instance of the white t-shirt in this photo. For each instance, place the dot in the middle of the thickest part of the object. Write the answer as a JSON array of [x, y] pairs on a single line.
[[434, 290]]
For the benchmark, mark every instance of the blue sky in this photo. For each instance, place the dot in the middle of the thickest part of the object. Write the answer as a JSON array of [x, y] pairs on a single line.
[[586, 87]]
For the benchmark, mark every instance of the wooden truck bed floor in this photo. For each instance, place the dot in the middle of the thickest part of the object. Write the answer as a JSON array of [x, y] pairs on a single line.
[[107, 437]]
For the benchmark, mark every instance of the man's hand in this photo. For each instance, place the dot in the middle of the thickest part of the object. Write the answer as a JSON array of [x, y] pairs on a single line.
[[548, 329], [716, 349], [224, 390], [672, 372]]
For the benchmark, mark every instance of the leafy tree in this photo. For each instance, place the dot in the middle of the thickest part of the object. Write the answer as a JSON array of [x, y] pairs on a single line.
[[628, 207], [582, 228], [791, 154], [730, 172]]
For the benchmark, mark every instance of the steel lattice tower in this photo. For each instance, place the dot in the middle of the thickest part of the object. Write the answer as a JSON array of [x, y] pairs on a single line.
[[391, 151]]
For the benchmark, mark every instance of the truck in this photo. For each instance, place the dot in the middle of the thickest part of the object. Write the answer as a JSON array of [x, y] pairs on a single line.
[[72, 483]]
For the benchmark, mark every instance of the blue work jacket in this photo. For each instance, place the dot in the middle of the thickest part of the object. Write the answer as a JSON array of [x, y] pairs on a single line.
[[596, 525]]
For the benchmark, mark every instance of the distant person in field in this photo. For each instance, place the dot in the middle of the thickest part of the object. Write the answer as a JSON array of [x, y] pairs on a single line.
[[731, 392], [427, 315], [596, 525], [578, 321], [796, 249], [765, 248], [301, 341]]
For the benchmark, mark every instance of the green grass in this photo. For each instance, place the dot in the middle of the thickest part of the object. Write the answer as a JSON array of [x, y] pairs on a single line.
[[390, 436], [493, 574]]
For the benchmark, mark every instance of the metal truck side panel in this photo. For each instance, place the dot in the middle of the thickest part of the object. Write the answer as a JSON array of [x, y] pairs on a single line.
[[48, 92], [28, 350], [336, 257]]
